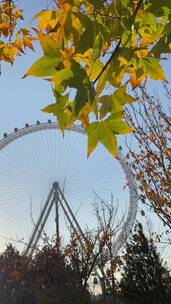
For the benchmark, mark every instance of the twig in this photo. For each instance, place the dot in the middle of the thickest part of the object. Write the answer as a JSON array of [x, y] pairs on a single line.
[[118, 44], [108, 62]]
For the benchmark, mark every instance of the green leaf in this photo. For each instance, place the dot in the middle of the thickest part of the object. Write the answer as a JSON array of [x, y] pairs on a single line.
[[98, 42], [87, 38], [120, 98], [62, 76], [81, 99], [95, 69], [85, 94], [115, 102], [109, 141], [69, 29], [126, 38], [99, 132], [117, 125], [45, 66], [49, 46], [96, 3], [62, 109], [79, 75], [159, 9], [106, 105], [152, 67], [105, 132], [148, 19]]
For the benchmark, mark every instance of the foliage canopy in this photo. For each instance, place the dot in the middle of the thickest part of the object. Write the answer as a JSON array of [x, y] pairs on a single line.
[[94, 54], [151, 161]]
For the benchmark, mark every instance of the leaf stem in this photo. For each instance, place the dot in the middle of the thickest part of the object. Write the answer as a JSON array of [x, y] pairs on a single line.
[[109, 60], [107, 16]]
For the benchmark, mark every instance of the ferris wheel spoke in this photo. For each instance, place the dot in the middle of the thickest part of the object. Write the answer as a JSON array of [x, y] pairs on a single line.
[[32, 159]]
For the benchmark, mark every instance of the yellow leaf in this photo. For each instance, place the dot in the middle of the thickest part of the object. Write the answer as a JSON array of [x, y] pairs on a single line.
[[18, 13], [146, 41], [93, 69], [142, 53], [44, 19], [85, 57], [68, 52], [76, 23], [58, 36]]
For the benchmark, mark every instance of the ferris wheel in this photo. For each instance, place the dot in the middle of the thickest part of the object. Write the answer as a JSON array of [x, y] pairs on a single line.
[[45, 176]]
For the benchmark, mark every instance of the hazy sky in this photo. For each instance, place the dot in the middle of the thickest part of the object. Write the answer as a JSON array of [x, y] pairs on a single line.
[[22, 99]]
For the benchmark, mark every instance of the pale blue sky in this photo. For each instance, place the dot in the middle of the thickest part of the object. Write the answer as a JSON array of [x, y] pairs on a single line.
[[22, 99]]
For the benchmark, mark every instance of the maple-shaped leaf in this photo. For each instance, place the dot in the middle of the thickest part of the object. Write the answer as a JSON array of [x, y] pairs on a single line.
[[117, 125], [62, 109], [114, 102], [152, 67], [49, 45], [98, 132], [43, 67]]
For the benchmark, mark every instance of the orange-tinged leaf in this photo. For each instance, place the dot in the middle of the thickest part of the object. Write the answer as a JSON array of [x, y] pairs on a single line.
[[28, 42], [146, 41], [84, 115], [105, 47], [84, 58], [142, 53], [19, 43], [5, 28], [136, 81], [68, 52], [18, 13]]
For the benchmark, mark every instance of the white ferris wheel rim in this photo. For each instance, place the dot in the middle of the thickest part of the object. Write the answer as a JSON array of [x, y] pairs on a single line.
[[133, 197]]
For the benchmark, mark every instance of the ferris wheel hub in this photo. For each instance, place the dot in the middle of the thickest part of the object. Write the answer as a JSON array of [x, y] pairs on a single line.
[[55, 184]]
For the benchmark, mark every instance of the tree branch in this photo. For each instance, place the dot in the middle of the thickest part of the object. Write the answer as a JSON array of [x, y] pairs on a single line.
[[108, 62], [118, 44]]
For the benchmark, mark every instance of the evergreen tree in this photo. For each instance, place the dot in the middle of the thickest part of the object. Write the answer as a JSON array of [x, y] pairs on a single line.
[[144, 279]]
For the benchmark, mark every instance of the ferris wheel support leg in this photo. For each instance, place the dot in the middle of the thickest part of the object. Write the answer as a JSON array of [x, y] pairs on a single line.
[[68, 211], [39, 221], [57, 198], [39, 232], [57, 217], [71, 222]]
